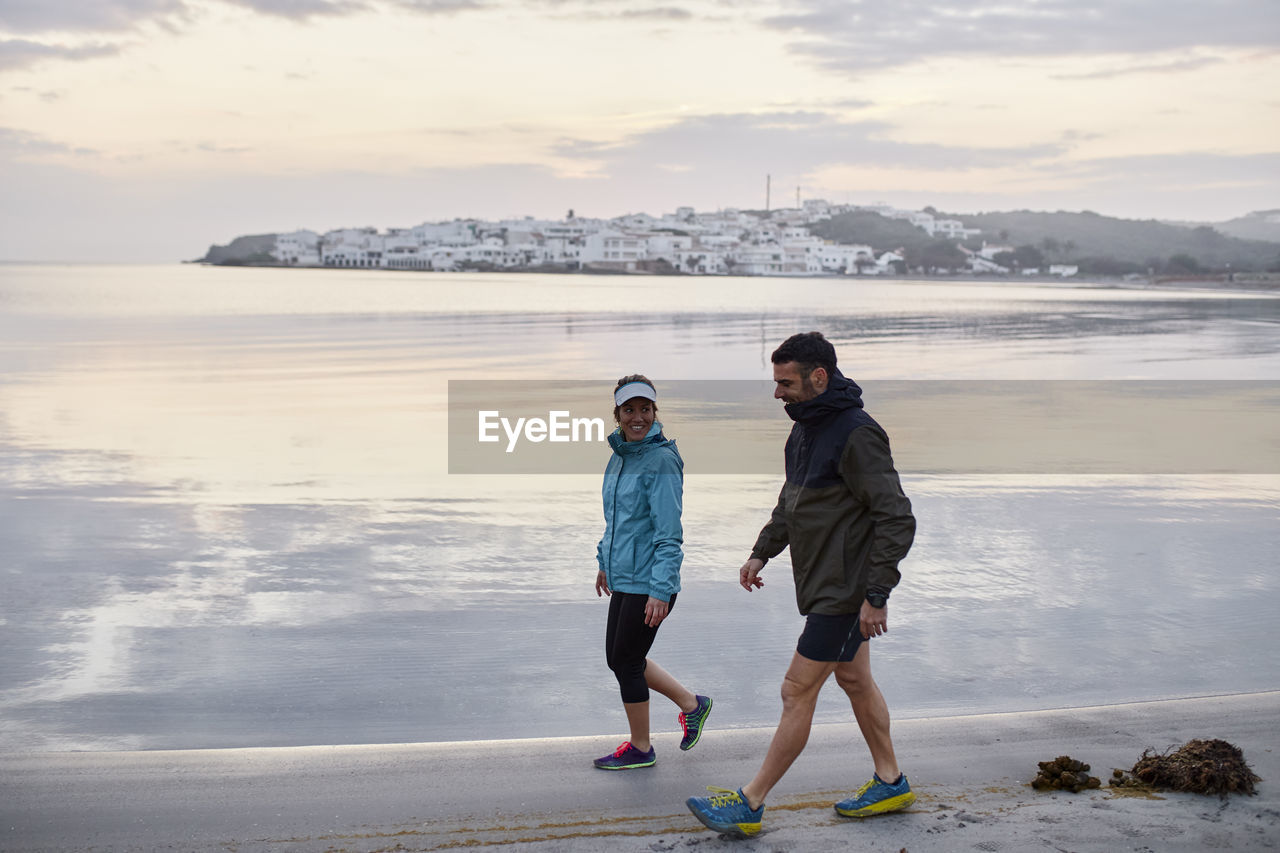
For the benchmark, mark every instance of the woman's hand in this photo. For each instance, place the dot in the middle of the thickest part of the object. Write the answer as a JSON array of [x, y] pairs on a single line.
[[602, 585], [655, 610]]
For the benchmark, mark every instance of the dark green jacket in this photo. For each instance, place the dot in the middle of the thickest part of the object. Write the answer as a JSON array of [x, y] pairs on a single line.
[[842, 509]]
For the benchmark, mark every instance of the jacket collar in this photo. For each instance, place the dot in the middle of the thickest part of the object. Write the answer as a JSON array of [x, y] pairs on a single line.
[[842, 393], [623, 447]]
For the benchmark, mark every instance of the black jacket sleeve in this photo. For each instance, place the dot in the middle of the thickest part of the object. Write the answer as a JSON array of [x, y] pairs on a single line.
[[866, 466]]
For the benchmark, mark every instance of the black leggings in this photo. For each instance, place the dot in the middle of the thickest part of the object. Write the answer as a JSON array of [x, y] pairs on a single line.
[[627, 641]]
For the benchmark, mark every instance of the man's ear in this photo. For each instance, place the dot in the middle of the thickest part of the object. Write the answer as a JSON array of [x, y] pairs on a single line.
[[819, 377]]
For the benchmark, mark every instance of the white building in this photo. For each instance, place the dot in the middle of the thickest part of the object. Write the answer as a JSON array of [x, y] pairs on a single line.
[[887, 261], [921, 220], [615, 249], [952, 229], [817, 207], [408, 258], [847, 258], [702, 261], [769, 259], [351, 247], [301, 248], [635, 222], [666, 246], [459, 232], [979, 264], [399, 239], [572, 229], [562, 250]]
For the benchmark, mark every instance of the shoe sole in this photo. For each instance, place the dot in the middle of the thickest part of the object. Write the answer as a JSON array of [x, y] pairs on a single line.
[[737, 830], [700, 727], [892, 804], [626, 766]]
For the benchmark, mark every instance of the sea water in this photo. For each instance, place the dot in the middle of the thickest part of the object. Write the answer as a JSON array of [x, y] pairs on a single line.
[[227, 517]]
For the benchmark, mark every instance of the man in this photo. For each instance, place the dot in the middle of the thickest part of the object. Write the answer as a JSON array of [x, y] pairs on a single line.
[[848, 524]]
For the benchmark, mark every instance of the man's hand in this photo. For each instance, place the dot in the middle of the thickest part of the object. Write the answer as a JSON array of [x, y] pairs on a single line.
[[655, 610], [749, 574], [873, 621], [602, 585]]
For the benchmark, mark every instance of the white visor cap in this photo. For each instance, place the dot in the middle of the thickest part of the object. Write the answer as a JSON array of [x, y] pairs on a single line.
[[634, 389]]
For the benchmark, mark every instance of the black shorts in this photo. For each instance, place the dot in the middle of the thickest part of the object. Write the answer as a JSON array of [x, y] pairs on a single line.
[[830, 638]]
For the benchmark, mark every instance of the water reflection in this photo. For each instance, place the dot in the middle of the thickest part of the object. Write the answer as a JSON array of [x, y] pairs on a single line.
[[226, 519]]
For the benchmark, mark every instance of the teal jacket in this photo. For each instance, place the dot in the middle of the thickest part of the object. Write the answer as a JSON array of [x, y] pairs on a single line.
[[643, 497]]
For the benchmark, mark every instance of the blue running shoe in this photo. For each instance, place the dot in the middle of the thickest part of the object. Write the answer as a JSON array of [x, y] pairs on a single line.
[[693, 721], [878, 797], [627, 757], [727, 812]]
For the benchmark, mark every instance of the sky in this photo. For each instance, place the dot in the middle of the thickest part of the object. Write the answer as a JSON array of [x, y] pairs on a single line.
[[145, 130]]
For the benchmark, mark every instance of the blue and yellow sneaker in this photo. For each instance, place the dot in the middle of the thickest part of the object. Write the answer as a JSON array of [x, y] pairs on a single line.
[[727, 812], [693, 721], [878, 797], [627, 757]]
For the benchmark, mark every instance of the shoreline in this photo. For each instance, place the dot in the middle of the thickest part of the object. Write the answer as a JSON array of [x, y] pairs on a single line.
[[970, 773], [1269, 281]]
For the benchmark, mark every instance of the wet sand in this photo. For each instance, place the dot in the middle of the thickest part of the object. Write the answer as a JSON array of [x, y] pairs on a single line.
[[970, 773]]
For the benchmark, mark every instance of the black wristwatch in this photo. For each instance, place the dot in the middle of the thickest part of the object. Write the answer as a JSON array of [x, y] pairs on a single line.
[[877, 599]]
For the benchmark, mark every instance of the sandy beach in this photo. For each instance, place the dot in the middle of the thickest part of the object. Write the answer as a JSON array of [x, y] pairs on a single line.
[[971, 776]]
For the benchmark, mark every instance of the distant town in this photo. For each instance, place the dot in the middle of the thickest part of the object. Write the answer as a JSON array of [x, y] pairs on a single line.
[[730, 241], [814, 238]]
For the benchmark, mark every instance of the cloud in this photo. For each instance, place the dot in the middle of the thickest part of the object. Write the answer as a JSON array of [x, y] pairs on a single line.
[[796, 141], [214, 148], [17, 144], [1150, 68], [852, 103], [23, 53], [722, 160], [47, 95], [1080, 136], [1188, 170], [665, 13], [35, 16], [114, 16], [300, 10], [440, 7], [107, 16], [853, 36]]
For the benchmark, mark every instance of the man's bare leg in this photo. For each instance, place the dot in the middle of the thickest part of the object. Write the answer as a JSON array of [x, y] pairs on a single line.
[[871, 711], [800, 688]]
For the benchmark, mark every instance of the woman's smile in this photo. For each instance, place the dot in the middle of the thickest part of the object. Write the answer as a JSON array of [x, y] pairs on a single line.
[[636, 417]]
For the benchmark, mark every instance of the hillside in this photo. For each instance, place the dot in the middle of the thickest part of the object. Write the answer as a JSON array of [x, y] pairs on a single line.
[[1259, 225], [879, 232], [1088, 238], [254, 249]]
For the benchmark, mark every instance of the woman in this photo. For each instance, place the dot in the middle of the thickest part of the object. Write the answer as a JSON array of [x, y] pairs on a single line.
[[639, 558]]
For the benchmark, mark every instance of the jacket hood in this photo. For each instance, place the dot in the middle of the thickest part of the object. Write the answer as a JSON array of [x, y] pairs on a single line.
[[654, 438], [842, 393]]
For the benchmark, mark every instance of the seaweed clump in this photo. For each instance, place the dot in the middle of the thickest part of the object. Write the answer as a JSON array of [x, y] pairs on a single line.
[[1064, 773], [1131, 784], [1198, 767]]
